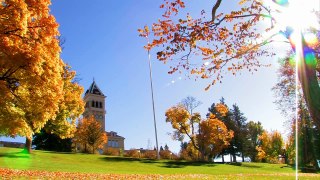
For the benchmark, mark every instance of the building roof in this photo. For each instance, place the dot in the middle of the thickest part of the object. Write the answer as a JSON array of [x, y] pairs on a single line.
[[94, 89], [113, 134]]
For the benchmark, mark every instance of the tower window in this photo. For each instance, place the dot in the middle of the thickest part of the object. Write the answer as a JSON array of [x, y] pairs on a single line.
[[100, 104], [97, 104], [92, 103]]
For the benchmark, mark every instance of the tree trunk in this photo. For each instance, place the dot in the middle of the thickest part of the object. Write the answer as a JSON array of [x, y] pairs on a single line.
[[253, 158], [28, 144], [222, 158], [202, 155], [230, 157], [309, 82], [242, 157], [234, 157]]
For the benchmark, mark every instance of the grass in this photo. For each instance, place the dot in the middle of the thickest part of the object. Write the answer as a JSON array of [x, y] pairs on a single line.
[[12, 158]]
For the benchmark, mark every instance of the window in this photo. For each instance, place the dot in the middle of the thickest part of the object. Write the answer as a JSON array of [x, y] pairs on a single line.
[[100, 104], [97, 105], [92, 104]]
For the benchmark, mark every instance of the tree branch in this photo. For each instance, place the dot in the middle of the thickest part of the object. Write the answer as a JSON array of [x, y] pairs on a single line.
[[192, 140], [214, 9], [240, 16]]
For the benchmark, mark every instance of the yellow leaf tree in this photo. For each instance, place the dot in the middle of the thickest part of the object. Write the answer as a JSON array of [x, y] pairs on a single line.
[[32, 74], [89, 134], [71, 106], [271, 146]]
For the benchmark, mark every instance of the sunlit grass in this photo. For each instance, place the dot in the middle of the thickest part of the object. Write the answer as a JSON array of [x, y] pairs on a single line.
[[98, 164]]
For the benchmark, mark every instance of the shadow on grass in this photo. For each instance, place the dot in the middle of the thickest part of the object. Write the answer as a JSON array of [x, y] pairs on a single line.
[[129, 159], [160, 163], [182, 164], [246, 165], [57, 152], [120, 159], [21, 154]]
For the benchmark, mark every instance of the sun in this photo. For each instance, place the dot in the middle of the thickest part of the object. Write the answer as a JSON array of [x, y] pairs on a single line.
[[298, 14]]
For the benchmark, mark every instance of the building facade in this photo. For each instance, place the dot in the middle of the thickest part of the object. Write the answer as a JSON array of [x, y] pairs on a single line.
[[95, 105]]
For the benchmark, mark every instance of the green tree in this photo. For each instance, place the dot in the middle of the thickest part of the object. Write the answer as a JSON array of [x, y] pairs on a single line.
[[240, 132], [254, 130], [166, 147], [51, 142]]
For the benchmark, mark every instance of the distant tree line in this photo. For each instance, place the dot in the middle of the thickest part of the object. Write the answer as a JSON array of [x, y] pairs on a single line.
[[224, 131]]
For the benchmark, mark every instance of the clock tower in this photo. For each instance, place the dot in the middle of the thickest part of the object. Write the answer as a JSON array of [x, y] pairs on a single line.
[[95, 104]]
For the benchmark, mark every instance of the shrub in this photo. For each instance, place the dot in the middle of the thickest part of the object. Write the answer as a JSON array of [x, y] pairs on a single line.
[[150, 154], [165, 154], [111, 152], [132, 153]]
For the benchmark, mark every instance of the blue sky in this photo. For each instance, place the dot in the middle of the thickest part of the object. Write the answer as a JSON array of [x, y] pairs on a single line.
[[102, 42]]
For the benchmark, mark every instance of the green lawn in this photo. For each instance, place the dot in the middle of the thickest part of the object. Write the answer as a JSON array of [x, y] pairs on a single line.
[[11, 158]]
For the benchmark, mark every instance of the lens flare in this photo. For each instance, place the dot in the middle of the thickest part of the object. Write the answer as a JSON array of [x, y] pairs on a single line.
[[281, 2], [310, 58], [311, 39], [292, 60], [294, 38], [296, 14]]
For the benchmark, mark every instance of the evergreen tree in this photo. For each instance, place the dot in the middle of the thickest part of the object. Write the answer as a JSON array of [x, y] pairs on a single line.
[[254, 130], [166, 147], [51, 142], [240, 131]]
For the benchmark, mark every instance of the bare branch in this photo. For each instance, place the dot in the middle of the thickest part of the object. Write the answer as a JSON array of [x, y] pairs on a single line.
[[214, 9]]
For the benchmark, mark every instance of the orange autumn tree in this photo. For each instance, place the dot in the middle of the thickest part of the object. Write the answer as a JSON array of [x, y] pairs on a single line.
[[230, 40], [212, 134], [32, 75], [89, 134]]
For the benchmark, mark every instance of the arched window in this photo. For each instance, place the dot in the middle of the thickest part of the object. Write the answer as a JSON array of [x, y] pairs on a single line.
[[97, 104], [100, 104], [92, 103]]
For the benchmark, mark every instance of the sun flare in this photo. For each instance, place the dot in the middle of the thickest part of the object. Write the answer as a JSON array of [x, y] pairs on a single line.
[[297, 14]]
